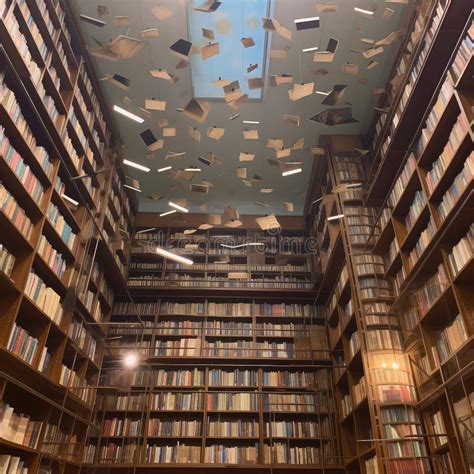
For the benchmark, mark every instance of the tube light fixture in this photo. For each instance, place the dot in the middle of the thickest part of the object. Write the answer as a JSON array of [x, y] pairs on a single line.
[[145, 230], [136, 165], [166, 168], [167, 213], [71, 200], [308, 50], [336, 217], [248, 244], [130, 360], [305, 20], [290, 172], [322, 93], [361, 10], [251, 122], [173, 256], [178, 207], [132, 187], [233, 117], [192, 169], [128, 114]]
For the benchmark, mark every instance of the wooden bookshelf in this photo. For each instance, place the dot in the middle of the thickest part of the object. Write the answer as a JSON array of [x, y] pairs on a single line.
[[374, 388], [272, 412], [55, 284], [430, 261], [435, 30]]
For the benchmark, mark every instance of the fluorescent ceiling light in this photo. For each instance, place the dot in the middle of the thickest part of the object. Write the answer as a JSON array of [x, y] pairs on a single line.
[[192, 169], [71, 200], [178, 207], [172, 256], [361, 10], [128, 114], [132, 187], [317, 200], [304, 20], [336, 217], [166, 168], [249, 244], [294, 171], [145, 230], [322, 93], [233, 116], [136, 165], [251, 122], [308, 50], [167, 213]]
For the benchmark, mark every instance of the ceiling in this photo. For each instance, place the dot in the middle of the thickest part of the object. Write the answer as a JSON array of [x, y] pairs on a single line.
[[345, 25]]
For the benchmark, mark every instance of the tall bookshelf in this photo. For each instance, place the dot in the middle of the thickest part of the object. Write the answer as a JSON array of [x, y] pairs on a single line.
[[431, 37], [58, 269], [426, 242], [230, 376], [374, 388], [396, 280]]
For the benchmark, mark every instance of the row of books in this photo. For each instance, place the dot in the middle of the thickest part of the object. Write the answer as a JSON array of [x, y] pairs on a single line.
[[431, 290], [460, 183], [22, 171], [18, 217], [213, 309], [378, 339], [281, 453], [52, 257], [217, 377], [434, 116], [83, 338], [462, 252], [402, 180], [121, 427], [403, 66], [13, 465], [222, 454], [437, 427], [457, 135], [180, 454], [60, 225], [10, 103], [416, 207], [393, 250], [359, 390], [44, 297], [376, 267], [233, 378], [113, 452], [398, 280], [25, 346], [7, 261], [463, 55], [175, 427], [18, 428], [188, 281], [297, 429], [424, 240], [346, 404], [54, 440], [451, 338], [219, 267], [224, 428]]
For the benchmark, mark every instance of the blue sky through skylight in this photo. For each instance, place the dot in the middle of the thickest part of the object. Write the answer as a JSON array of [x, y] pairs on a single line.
[[235, 19]]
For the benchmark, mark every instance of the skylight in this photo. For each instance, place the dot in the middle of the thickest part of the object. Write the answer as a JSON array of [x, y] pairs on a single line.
[[234, 20]]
